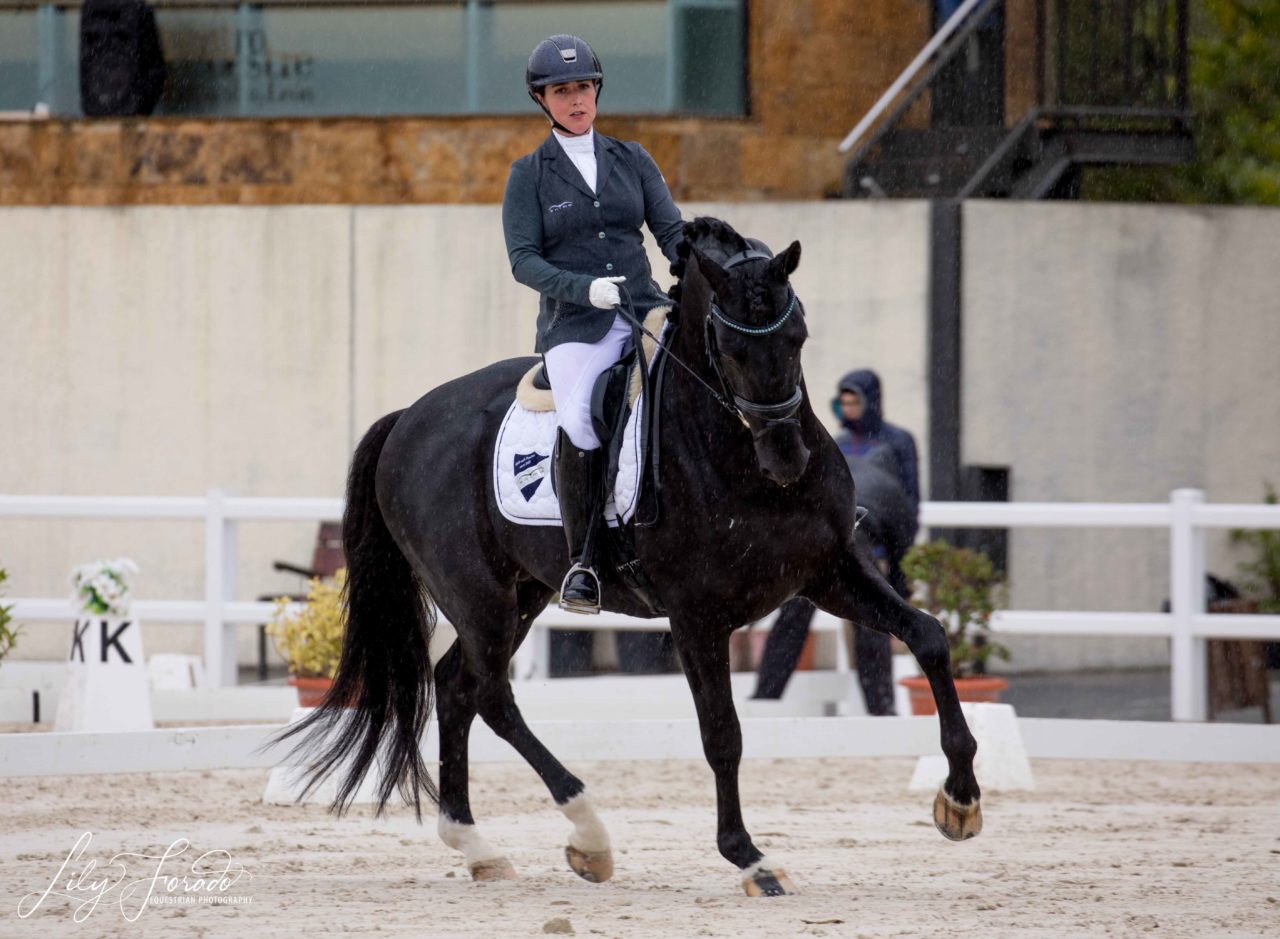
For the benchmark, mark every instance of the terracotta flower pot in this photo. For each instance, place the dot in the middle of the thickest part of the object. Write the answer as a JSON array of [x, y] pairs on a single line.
[[981, 688], [311, 690]]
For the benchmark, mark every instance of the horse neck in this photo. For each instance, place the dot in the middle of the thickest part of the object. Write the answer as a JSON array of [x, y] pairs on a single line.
[[709, 426], [689, 342]]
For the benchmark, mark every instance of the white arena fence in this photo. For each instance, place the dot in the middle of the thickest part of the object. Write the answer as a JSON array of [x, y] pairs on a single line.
[[1186, 517]]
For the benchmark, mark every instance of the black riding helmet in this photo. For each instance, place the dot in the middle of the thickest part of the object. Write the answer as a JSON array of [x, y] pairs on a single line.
[[561, 59]]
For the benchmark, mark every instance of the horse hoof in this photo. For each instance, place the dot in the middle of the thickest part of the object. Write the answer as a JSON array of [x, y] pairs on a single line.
[[956, 822], [768, 883], [498, 868], [594, 868]]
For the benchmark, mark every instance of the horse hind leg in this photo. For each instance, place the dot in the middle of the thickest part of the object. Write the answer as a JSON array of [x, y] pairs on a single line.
[[589, 851], [455, 711], [858, 592]]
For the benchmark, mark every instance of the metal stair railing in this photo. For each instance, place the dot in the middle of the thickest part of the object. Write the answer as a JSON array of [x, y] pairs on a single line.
[[941, 49], [954, 29]]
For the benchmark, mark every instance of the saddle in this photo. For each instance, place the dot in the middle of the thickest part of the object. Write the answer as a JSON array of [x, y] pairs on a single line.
[[612, 399]]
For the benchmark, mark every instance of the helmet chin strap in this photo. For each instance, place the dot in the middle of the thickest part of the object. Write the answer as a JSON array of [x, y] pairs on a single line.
[[554, 123]]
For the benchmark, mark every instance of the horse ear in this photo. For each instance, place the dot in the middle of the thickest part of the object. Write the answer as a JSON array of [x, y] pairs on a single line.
[[715, 275], [785, 264]]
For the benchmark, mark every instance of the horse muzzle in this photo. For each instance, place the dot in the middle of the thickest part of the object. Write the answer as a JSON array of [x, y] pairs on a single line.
[[781, 452]]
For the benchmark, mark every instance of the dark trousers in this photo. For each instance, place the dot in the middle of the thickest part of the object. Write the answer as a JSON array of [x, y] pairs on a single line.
[[786, 641], [639, 653]]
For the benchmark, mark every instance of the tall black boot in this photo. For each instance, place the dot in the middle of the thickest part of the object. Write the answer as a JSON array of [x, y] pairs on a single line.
[[580, 489]]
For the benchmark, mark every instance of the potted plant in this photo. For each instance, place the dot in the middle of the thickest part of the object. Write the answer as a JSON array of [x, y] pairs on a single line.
[[309, 637], [8, 637], [962, 589]]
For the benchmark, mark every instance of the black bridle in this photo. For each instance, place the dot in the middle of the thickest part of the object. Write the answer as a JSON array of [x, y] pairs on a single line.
[[771, 415]]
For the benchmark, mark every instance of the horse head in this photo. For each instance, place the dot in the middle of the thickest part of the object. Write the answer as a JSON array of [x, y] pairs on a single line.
[[754, 327]]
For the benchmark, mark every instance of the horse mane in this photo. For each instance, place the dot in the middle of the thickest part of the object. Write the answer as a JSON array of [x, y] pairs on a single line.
[[714, 237]]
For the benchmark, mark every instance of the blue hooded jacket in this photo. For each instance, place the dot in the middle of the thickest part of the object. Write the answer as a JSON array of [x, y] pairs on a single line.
[[871, 432]]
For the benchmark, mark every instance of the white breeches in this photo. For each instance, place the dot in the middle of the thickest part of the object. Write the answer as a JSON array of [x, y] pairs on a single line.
[[573, 368]]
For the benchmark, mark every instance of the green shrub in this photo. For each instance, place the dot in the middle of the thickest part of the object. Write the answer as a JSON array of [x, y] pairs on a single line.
[[1261, 580], [310, 639], [8, 637], [962, 589]]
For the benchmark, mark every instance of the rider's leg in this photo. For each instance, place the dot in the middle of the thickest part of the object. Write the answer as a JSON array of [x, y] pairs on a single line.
[[573, 368]]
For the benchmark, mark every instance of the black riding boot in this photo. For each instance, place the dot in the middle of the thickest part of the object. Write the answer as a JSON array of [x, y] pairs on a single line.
[[580, 488]]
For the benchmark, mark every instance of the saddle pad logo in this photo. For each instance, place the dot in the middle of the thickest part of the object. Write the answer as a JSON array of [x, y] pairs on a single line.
[[530, 471], [558, 206]]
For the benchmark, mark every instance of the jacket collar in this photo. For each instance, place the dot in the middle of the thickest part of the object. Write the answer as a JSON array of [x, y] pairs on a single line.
[[563, 167]]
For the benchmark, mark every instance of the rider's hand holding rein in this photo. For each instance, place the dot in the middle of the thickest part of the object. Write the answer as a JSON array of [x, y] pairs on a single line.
[[604, 292], [572, 216]]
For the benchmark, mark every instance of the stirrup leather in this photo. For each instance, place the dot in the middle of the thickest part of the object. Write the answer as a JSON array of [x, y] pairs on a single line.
[[580, 606]]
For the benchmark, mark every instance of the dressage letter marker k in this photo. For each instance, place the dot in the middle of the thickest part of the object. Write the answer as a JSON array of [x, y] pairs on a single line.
[[77, 639], [113, 639]]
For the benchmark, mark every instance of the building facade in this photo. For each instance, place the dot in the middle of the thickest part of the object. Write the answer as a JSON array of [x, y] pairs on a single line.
[[737, 100]]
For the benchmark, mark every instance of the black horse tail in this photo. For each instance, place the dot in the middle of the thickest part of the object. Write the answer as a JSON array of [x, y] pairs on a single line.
[[382, 695]]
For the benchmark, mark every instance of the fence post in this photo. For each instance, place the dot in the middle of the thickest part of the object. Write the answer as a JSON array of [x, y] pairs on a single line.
[[524, 662], [1189, 683], [219, 586]]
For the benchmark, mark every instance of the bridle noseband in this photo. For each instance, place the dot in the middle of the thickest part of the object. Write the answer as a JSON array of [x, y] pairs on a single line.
[[772, 415]]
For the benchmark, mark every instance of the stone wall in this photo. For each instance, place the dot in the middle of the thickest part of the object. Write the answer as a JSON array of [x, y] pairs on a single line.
[[815, 67]]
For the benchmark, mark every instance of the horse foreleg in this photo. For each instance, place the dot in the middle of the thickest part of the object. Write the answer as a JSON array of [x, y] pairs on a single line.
[[855, 590], [706, 659]]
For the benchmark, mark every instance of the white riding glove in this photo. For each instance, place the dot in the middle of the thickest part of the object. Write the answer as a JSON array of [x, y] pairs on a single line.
[[604, 292]]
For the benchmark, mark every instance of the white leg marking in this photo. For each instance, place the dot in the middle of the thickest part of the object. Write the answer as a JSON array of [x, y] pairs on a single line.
[[764, 864], [962, 806], [589, 835], [475, 849]]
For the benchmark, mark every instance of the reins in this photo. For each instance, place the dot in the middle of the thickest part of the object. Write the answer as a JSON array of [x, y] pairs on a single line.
[[772, 415], [627, 312]]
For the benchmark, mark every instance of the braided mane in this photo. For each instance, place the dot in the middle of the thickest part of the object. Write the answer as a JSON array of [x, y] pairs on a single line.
[[714, 237]]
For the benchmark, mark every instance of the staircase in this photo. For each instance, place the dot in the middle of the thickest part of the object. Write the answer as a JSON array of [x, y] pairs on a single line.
[[1086, 115]]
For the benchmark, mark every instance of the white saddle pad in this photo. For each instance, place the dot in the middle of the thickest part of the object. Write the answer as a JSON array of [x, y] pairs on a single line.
[[522, 468]]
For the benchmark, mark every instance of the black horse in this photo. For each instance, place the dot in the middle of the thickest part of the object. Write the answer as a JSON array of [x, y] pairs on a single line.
[[754, 509]]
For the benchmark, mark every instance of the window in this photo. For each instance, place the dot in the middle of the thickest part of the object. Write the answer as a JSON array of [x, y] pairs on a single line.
[[18, 60], [423, 58]]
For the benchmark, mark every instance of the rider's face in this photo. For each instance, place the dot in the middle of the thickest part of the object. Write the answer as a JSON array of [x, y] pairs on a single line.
[[573, 105]]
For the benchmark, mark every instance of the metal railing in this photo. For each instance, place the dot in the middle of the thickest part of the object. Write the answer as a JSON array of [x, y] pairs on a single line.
[[910, 74], [1186, 517], [1116, 68]]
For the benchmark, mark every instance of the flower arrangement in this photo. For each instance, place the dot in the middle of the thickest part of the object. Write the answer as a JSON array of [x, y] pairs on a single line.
[[102, 588], [7, 636], [310, 639], [962, 589]]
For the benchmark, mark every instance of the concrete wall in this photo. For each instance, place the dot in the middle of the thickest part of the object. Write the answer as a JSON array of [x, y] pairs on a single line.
[[1111, 354], [1114, 353], [163, 351]]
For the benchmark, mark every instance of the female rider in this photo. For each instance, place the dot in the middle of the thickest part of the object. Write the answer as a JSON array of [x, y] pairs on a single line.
[[572, 215]]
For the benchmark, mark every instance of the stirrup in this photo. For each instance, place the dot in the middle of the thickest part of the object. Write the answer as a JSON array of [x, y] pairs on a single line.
[[580, 606]]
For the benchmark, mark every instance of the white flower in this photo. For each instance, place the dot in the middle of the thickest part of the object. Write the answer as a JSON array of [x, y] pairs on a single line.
[[105, 583]]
